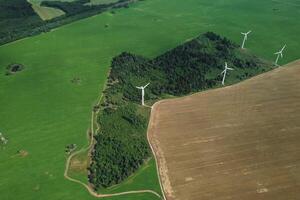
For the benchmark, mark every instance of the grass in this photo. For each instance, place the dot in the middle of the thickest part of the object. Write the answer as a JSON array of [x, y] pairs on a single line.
[[42, 110], [39, 1], [46, 13], [97, 2], [143, 179]]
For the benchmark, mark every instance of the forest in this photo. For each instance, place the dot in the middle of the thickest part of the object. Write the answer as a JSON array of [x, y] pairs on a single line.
[[121, 144], [18, 19]]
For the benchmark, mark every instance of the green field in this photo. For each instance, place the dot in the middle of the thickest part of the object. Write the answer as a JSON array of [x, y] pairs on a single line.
[[97, 2], [46, 13], [94, 2], [42, 110], [143, 177], [39, 1]]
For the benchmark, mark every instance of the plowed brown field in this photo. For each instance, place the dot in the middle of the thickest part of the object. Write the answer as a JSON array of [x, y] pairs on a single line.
[[240, 142]]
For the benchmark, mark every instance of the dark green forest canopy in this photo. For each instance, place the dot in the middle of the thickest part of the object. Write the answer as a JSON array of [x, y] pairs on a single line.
[[18, 19], [16, 16], [196, 65]]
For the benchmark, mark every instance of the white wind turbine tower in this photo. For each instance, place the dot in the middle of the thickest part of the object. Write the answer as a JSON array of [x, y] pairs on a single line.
[[279, 54], [143, 93], [245, 38], [225, 72]]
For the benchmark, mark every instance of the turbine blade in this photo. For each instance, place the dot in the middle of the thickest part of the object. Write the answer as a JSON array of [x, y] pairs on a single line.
[[230, 68], [139, 88], [283, 47], [223, 71], [146, 85]]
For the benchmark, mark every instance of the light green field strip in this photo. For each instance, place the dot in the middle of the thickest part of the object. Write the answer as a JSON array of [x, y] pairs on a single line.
[[41, 110], [45, 13], [98, 2], [40, 1]]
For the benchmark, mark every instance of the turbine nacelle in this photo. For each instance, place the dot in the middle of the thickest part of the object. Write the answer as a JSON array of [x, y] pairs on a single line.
[[245, 38], [143, 87], [281, 51], [246, 34], [279, 54]]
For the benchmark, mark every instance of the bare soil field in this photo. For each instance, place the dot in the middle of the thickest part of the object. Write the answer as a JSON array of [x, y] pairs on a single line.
[[237, 142]]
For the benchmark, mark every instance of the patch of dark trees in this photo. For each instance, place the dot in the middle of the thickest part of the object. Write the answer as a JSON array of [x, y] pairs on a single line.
[[121, 145], [14, 68], [18, 19]]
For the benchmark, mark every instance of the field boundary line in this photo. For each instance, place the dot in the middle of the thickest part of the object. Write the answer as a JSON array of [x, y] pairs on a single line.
[[152, 149]]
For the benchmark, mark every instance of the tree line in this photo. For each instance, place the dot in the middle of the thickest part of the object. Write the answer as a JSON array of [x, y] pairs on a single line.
[[18, 19]]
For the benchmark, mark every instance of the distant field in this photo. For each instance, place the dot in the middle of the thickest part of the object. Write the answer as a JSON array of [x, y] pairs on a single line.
[[39, 1], [238, 142], [43, 110], [97, 2], [46, 13], [94, 2]]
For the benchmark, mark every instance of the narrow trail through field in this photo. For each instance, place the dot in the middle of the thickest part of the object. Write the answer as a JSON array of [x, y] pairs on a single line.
[[88, 148]]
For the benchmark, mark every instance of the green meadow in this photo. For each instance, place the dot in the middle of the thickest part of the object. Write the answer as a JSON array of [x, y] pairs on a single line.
[[42, 109]]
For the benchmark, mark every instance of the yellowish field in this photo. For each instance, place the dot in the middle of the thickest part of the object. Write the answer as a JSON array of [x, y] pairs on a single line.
[[46, 13], [237, 142]]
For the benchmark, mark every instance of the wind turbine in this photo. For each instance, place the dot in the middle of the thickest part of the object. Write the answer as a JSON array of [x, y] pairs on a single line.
[[225, 72], [279, 54], [245, 38], [143, 92]]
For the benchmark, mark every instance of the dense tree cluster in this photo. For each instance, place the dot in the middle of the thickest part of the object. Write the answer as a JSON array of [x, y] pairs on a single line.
[[14, 68], [18, 19], [16, 16], [121, 145], [185, 69]]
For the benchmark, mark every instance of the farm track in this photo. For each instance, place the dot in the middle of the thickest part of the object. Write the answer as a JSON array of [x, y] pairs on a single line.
[[89, 148], [236, 142]]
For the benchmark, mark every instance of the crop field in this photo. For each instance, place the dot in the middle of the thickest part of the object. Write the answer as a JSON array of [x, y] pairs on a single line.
[[92, 2], [39, 1], [97, 2], [46, 13], [42, 108], [237, 142]]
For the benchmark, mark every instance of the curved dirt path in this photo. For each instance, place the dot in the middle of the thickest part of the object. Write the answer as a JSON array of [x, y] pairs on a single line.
[[91, 142], [161, 170]]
